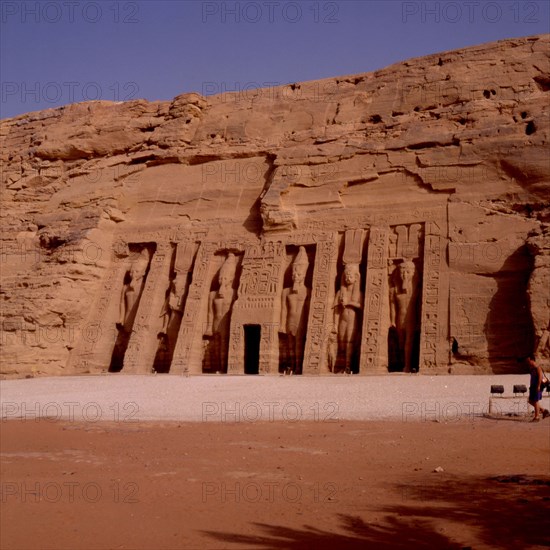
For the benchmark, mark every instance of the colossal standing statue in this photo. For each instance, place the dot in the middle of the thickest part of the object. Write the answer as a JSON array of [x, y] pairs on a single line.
[[347, 306], [173, 304], [294, 310], [403, 311], [131, 291], [219, 313]]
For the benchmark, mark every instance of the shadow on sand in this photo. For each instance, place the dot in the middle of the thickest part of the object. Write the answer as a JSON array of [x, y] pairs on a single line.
[[507, 512], [397, 533]]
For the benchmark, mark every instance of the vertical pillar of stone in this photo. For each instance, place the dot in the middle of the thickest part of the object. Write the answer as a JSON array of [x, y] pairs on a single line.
[[235, 355], [320, 312], [376, 293], [433, 337], [93, 353], [268, 359], [269, 348], [143, 342], [187, 355]]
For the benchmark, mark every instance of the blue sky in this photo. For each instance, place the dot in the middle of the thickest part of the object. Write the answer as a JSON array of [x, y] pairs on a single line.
[[58, 52]]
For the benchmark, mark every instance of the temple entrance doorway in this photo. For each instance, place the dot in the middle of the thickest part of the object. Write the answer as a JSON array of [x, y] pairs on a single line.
[[252, 334]]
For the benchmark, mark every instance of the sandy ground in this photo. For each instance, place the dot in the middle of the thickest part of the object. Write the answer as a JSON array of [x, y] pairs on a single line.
[[257, 398], [240, 483]]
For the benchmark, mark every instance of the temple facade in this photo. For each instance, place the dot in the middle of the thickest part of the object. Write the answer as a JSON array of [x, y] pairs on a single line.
[[315, 301]]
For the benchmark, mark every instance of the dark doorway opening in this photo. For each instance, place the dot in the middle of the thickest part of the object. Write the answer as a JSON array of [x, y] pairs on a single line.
[[252, 334]]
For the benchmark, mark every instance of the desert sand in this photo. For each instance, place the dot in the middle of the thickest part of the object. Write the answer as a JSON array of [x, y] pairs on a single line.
[[273, 485]]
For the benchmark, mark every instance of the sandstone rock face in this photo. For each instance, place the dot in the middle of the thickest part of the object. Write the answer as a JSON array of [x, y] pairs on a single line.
[[539, 292], [389, 221]]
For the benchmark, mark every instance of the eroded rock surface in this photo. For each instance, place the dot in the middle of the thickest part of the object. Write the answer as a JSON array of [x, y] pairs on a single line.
[[441, 161]]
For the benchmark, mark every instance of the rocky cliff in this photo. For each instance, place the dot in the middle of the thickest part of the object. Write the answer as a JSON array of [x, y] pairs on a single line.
[[455, 143]]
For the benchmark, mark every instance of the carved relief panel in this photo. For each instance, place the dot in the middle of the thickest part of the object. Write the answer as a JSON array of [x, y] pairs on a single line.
[[434, 340], [257, 309], [189, 339], [373, 354]]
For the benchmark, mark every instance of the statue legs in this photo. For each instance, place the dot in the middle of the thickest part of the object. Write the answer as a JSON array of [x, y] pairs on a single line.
[[349, 356], [295, 353], [406, 341], [219, 351]]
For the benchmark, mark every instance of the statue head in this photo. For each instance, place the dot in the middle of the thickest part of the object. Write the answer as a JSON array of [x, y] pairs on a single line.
[[407, 270], [227, 271], [178, 284], [139, 265], [299, 266], [351, 274]]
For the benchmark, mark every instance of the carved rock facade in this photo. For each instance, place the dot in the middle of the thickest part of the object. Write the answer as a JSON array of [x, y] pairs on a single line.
[[390, 221]]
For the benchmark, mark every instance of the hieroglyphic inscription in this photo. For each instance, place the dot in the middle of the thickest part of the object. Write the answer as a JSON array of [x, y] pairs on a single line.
[[266, 341], [318, 326], [260, 278], [431, 296], [305, 238], [188, 327], [256, 302], [261, 270], [351, 219], [235, 366], [374, 292]]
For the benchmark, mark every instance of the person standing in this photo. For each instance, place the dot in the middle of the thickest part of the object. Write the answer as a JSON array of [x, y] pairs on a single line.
[[535, 391]]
